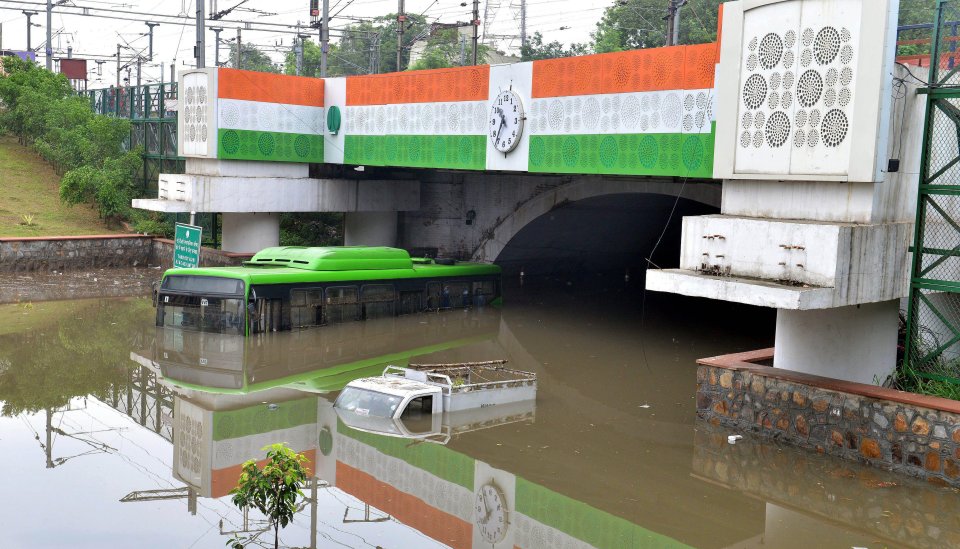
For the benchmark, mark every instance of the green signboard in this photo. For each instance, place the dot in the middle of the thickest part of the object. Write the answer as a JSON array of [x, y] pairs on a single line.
[[186, 246]]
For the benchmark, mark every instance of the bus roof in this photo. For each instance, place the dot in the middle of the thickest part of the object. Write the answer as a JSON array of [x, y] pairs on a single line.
[[293, 264]]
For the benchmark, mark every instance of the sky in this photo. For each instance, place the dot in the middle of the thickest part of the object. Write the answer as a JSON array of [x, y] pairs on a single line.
[[564, 20]]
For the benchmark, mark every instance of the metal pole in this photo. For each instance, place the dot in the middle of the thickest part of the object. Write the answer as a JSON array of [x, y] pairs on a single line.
[[401, 18], [199, 50], [118, 68], [324, 37], [29, 14], [676, 21], [151, 25], [476, 27], [173, 71], [239, 56], [523, 24], [139, 67], [298, 53], [216, 50], [70, 52], [49, 48]]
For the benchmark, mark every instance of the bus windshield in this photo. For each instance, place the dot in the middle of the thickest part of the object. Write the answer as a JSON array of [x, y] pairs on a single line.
[[203, 304]]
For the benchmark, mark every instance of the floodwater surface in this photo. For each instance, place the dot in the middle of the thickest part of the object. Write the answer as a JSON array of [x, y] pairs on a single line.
[[116, 433]]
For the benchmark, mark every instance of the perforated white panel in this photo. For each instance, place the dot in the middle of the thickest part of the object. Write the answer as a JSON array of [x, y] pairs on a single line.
[[197, 105], [797, 74]]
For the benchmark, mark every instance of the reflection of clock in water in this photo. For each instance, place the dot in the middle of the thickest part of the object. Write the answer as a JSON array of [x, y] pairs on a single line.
[[506, 121], [491, 513]]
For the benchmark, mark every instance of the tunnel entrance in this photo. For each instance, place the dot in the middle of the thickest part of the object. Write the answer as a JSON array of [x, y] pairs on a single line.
[[609, 234]]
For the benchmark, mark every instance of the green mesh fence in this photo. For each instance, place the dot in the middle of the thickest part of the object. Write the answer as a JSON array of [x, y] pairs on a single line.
[[933, 317]]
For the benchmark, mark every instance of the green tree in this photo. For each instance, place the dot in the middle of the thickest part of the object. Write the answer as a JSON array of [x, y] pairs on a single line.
[[536, 49], [635, 24], [443, 49], [273, 490], [251, 59]]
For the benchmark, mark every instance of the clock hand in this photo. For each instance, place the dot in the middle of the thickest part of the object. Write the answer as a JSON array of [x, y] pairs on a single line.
[[486, 505]]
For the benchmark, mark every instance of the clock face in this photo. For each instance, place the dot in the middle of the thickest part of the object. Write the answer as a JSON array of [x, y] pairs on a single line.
[[490, 513], [506, 121]]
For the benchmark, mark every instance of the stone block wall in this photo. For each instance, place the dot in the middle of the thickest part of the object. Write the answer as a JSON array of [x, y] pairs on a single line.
[[162, 254], [903, 432], [88, 253], [63, 253]]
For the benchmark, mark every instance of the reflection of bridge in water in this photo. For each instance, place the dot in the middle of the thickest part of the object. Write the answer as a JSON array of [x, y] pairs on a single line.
[[554, 497]]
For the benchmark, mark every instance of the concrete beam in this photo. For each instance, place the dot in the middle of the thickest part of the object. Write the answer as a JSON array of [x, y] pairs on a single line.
[[233, 194]]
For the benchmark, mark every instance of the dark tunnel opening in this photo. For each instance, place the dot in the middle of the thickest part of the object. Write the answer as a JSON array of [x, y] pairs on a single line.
[[610, 234]]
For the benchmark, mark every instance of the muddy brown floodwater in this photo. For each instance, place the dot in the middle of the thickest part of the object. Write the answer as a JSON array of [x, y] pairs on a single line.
[[115, 433]]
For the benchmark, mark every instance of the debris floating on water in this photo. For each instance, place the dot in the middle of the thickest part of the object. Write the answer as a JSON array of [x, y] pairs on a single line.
[[732, 439]]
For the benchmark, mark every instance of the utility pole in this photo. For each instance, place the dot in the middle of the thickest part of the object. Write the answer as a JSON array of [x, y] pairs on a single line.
[[151, 25], [324, 38], [173, 71], [139, 68], [29, 14], [118, 66], [239, 48], [523, 25], [476, 28], [216, 49], [673, 21], [401, 19], [49, 48], [199, 50], [298, 52]]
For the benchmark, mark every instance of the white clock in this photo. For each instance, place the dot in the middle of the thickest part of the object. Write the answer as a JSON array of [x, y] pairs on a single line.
[[491, 514], [506, 121]]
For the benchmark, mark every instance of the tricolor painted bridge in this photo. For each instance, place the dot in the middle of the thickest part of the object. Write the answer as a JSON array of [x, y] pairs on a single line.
[[787, 124]]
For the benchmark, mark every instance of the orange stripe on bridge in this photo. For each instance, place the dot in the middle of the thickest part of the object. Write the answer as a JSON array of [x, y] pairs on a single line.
[[426, 86], [269, 88], [654, 69]]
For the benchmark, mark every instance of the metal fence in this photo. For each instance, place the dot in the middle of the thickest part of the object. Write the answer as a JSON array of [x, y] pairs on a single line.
[[933, 316], [152, 111]]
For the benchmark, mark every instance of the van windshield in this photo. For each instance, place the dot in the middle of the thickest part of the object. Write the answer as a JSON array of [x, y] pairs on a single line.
[[365, 402]]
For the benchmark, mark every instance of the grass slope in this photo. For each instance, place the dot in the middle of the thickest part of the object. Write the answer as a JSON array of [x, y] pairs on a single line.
[[30, 187]]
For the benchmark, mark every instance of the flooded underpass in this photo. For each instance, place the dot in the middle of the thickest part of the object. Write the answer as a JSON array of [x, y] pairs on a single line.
[[116, 433]]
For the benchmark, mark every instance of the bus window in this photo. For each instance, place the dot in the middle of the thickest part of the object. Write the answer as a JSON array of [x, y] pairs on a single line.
[[306, 307], [379, 300], [433, 296], [483, 292], [455, 295], [341, 304], [410, 302]]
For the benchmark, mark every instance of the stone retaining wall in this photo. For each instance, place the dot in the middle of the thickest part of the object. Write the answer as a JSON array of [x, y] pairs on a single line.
[[88, 253], [74, 252], [903, 432]]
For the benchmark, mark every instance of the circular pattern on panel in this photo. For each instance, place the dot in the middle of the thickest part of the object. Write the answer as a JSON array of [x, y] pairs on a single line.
[[301, 146], [771, 50], [806, 58], [266, 144], [746, 120], [570, 151], [688, 123], [809, 88], [692, 152], [846, 76], [647, 151], [745, 139], [670, 110], [754, 91], [788, 59], [759, 120], [814, 118], [834, 128], [773, 100], [757, 139], [609, 151], [799, 139], [537, 151], [826, 45], [786, 100], [774, 80], [752, 62], [629, 111], [808, 36], [813, 138], [777, 130], [230, 114], [829, 97], [555, 115], [831, 77]]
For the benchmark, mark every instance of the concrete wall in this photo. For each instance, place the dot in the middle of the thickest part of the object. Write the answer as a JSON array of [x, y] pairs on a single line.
[[911, 434]]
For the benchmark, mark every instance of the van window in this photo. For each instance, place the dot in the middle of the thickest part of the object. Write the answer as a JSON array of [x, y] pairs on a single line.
[[341, 304], [306, 307], [418, 408]]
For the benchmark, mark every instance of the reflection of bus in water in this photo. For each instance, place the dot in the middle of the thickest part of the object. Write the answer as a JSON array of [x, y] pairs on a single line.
[[290, 288], [312, 360]]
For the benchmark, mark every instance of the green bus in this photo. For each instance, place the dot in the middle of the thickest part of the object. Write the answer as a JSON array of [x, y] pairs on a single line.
[[292, 287]]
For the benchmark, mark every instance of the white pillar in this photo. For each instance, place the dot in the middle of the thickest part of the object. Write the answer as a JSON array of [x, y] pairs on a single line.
[[370, 229], [250, 232], [856, 343]]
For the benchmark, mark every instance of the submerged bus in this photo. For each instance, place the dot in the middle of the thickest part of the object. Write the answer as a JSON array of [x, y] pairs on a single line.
[[287, 288]]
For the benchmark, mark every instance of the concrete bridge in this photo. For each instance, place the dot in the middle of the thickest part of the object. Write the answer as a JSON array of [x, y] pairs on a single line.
[[785, 131]]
